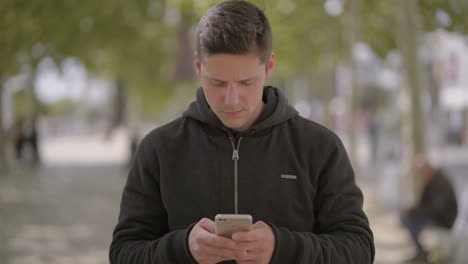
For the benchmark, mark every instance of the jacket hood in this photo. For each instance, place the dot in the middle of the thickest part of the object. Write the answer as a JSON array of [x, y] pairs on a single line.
[[275, 99]]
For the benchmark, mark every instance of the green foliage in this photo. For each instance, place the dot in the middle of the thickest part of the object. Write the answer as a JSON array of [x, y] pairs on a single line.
[[380, 20], [136, 40], [379, 30], [62, 107], [22, 105], [456, 10]]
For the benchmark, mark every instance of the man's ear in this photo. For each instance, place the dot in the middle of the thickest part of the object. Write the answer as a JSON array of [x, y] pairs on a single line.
[[197, 64], [270, 65]]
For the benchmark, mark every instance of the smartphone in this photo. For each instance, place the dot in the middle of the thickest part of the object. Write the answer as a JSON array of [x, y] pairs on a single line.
[[227, 224]]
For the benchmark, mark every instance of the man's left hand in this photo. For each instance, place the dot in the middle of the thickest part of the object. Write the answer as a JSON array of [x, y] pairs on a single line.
[[259, 243]]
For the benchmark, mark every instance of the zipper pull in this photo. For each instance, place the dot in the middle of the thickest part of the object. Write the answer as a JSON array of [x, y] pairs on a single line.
[[235, 154]]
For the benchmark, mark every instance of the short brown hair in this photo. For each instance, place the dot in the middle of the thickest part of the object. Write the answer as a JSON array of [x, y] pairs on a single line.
[[234, 27]]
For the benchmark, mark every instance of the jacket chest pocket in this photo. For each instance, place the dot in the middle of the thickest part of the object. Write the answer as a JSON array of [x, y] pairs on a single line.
[[294, 196], [296, 192]]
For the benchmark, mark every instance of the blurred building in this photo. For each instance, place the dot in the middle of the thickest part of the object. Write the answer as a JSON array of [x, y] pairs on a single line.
[[449, 54], [451, 57]]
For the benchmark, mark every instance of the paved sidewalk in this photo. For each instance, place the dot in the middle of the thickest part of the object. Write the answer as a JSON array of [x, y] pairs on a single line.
[[59, 214], [391, 241], [65, 210], [65, 214]]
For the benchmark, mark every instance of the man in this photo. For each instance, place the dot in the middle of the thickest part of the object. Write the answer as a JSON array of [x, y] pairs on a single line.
[[437, 206], [240, 148]]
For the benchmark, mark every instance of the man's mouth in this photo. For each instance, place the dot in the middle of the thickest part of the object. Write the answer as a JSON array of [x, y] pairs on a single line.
[[232, 113]]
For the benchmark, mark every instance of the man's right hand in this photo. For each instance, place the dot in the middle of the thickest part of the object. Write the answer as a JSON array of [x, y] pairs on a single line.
[[208, 248]]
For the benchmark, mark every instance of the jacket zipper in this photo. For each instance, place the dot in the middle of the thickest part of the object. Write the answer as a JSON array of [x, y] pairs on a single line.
[[235, 158]]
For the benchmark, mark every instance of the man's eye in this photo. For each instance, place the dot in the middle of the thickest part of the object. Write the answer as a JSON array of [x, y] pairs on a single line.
[[218, 84], [247, 83]]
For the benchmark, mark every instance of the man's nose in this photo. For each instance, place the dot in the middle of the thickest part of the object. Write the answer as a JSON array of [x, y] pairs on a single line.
[[232, 95]]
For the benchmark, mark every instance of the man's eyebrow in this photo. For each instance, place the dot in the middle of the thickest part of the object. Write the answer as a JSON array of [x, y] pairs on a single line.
[[216, 80], [243, 80], [249, 79]]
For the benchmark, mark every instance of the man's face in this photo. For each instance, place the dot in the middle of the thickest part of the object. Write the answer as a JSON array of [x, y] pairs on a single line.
[[233, 86]]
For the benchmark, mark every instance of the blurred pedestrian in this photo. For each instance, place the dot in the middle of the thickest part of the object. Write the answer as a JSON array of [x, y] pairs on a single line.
[[18, 138], [374, 132], [437, 206], [32, 139]]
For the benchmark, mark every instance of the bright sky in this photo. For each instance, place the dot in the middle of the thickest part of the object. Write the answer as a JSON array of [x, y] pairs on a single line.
[[53, 85], [72, 82]]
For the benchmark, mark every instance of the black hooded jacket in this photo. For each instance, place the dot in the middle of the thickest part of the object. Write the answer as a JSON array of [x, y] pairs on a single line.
[[291, 173]]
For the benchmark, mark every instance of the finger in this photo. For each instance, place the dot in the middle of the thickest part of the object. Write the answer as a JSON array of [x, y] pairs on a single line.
[[207, 224], [249, 246], [217, 241], [253, 235], [259, 225], [210, 238], [223, 253], [250, 257], [257, 232], [207, 252]]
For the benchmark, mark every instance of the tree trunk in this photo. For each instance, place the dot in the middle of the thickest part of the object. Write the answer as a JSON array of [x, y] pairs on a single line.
[[352, 37], [118, 108], [464, 131], [34, 108], [184, 69], [3, 140], [33, 114], [408, 40]]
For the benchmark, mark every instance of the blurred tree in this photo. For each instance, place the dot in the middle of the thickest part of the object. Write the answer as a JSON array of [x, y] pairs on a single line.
[[19, 33], [409, 33], [354, 21], [146, 43], [449, 15], [412, 19], [113, 38], [3, 148]]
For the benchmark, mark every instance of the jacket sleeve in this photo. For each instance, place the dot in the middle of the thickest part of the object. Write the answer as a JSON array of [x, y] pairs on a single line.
[[342, 233], [142, 233]]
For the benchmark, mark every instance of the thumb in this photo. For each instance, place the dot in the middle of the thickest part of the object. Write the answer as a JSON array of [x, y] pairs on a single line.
[[207, 224], [259, 225]]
